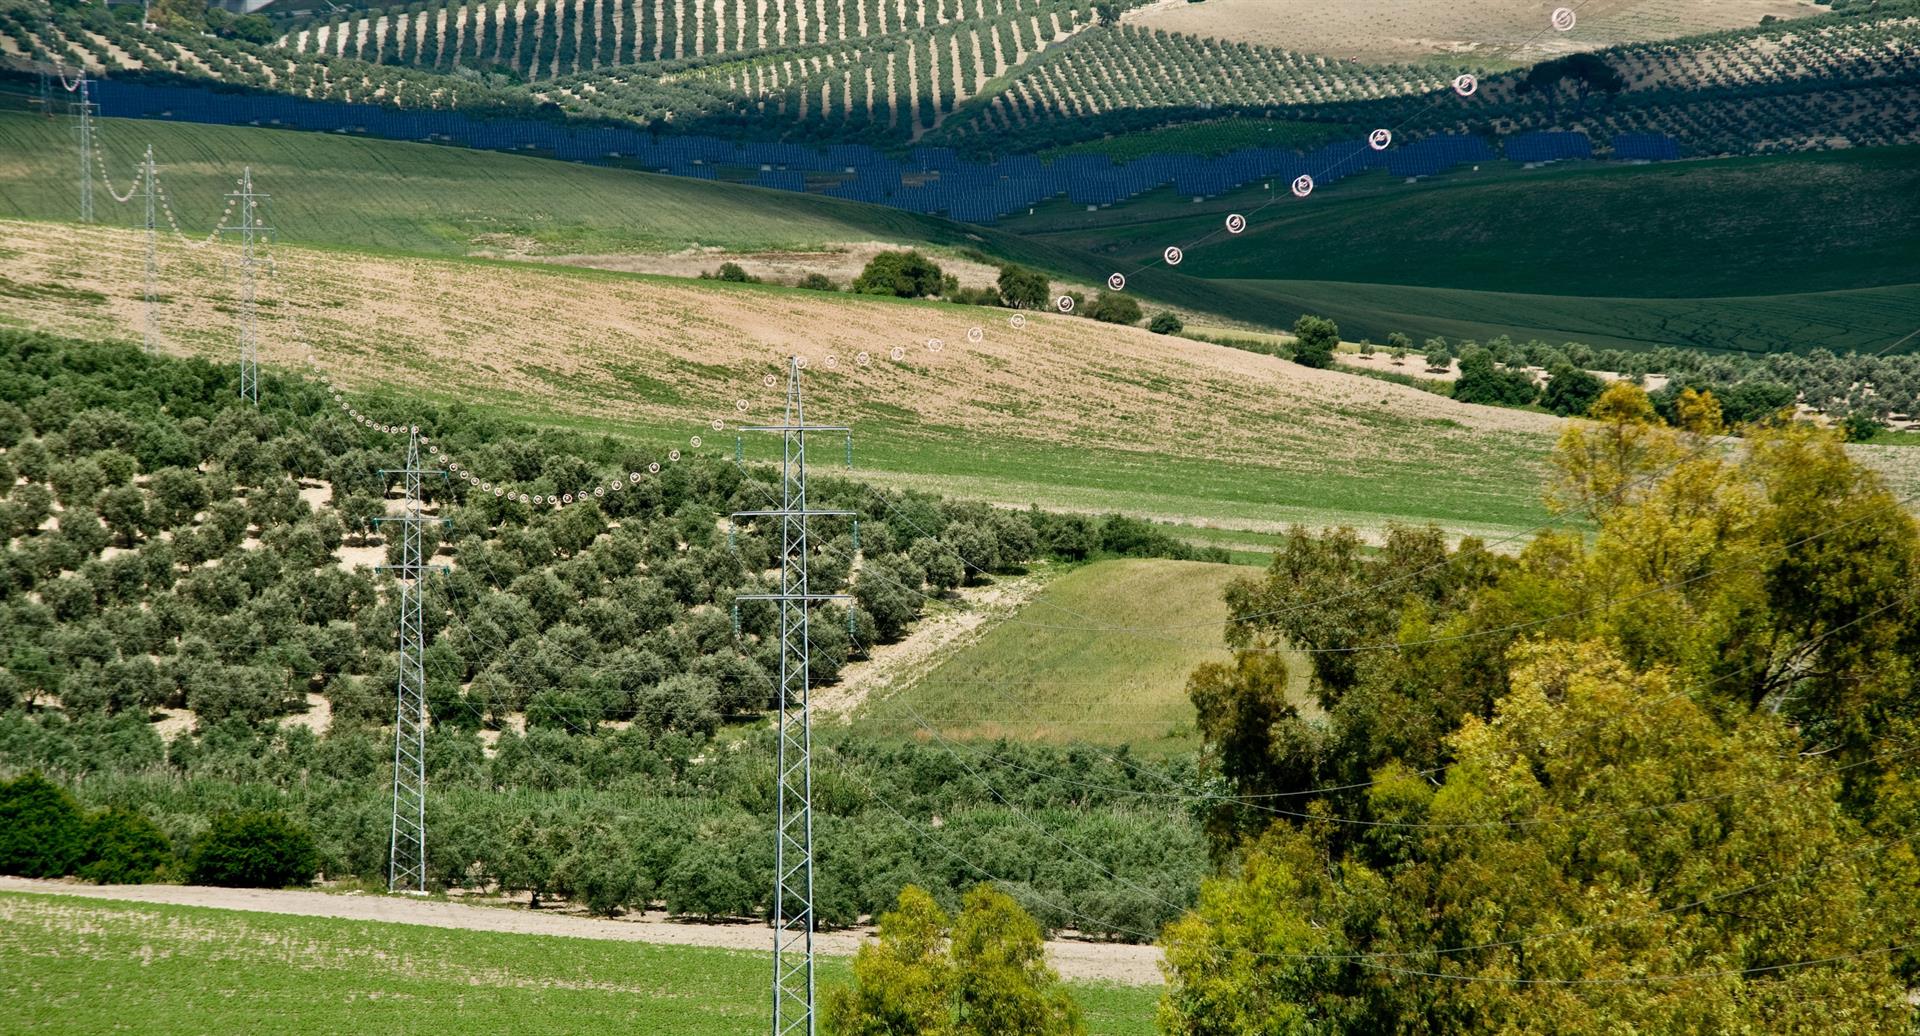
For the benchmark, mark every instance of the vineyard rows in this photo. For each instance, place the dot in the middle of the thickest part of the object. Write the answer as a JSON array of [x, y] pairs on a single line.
[[904, 82], [71, 43], [550, 39], [1126, 68]]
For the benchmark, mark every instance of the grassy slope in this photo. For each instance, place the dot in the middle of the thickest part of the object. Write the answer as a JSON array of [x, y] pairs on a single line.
[[1051, 673], [427, 199], [438, 200], [1761, 253], [1066, 413], [87, 966]]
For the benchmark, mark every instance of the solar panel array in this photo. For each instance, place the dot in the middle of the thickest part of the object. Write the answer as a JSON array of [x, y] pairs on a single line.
[[930, 180]]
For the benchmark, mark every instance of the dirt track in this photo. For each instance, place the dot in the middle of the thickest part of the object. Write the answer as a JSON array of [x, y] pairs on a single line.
[[1100, 962]]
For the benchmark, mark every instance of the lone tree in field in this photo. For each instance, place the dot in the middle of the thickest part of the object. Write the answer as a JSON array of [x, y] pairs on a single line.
[[982, 974], [906, 275], [1314, 341], [1439, 355], [1166, 324], [1021, 288]]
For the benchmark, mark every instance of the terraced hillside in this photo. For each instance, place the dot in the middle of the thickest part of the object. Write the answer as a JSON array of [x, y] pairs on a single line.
[[1008, 76], [1842, 80], [1393, 30]]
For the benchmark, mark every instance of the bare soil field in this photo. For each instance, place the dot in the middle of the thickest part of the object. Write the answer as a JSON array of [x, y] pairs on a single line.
[[1074, 959], [1498, 31]]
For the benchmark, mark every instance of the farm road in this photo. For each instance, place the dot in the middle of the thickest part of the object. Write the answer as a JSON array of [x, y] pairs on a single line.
[[1080, 961]]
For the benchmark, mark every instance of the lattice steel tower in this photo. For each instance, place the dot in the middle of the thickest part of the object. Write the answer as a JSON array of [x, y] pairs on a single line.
[[85, 131], [150, 337], [252, 224], [407, 842], [793, 988]]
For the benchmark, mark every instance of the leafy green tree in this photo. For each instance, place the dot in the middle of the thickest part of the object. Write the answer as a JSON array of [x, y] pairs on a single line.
[[992, 978], [944, 569], [1439, 354], [888, 590], [1022, 288], [1570, 391], [902, 981], [1166, 323], [1570, 842], [1481, 382], [687, 703], [42, 832], [907, 275], [252, 849], [1314, 340]]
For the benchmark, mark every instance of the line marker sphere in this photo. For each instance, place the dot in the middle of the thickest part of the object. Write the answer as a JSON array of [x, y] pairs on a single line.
[[633, 476], [1564, 19], [1466, 85], [740, 405], [719, 425], [1380, 139], [976, 335], [860, 358], [1064, 303], [769, 381], [1236, 223], [801, 362], [673, 454], [1018, 321], [694, 442], [832, 361], [898, 353], [934, 345], [1173, 255], [654, 468], [1302, 186], [1117, 282]]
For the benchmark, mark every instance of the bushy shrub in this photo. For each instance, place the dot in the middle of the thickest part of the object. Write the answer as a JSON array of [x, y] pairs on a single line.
[[42, 832], [125, 848], [1314, 341], [1114, 308], [818, 282], [254, 849], [732, 273], [1164, 323], [906, 275]]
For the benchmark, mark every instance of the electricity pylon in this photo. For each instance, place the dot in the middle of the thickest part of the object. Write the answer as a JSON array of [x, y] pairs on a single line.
[[407, 839], [85, 130], [793, 989], [252, 223], [150, 337]]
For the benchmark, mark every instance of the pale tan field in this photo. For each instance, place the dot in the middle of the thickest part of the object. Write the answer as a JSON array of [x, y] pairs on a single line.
[[1413, 30], [670, 354]]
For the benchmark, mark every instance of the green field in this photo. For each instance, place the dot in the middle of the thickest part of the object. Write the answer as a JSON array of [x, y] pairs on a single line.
[[1788, 252], [1102, 655], [1211, 138], [90, 966], [428, 199], [1757, 254]]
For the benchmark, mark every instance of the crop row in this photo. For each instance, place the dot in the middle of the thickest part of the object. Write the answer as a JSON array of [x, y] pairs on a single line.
[[545, 39], [906, 83], [1133, 69]]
